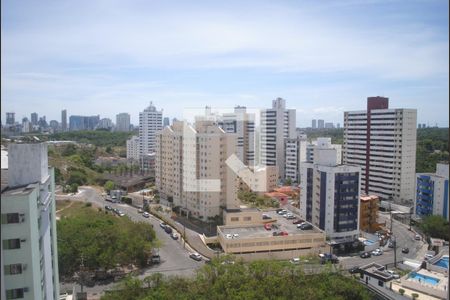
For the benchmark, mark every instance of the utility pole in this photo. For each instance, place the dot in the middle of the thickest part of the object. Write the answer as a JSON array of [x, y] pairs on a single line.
[[395, 253]]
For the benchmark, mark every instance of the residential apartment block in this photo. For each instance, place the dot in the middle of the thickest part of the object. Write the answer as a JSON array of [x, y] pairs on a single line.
[[432, 193], [29, 256], [329, 196], [150, 122], [123, 122], [382, 141], [295, 153], [133, 148], [83, 122], [191, 172], [368, 215], [323, 143], [277, 124]]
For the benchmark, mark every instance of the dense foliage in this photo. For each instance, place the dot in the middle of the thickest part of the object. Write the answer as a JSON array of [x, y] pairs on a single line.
[[336, 134], [432, 147], [97, 137], [436, 227], [103, 240], [256, 280], [255, 200]]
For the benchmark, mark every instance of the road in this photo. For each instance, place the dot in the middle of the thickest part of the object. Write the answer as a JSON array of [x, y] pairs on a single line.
[[405, 239], [174, 258]]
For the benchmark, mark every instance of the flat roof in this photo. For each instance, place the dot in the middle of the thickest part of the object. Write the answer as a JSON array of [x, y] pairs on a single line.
[[258, 231], [20, 190]]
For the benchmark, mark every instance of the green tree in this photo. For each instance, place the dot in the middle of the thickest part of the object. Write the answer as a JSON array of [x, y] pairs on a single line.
[[288, 181], [109, 185], [436, 226]]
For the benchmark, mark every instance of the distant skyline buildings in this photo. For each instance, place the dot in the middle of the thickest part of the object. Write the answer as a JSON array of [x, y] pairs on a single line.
[[123, 122], [64, 120]]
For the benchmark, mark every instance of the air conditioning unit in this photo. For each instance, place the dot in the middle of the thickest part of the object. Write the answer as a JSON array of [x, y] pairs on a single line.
[[23, 240]]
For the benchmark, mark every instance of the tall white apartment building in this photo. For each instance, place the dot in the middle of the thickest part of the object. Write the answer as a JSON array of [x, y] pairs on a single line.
[[187, 157], [295, 153], [277, 124], [382, 142], [123, 122], [29, 256], [323, 142], [133, 148], [330, 195], [150, 122]]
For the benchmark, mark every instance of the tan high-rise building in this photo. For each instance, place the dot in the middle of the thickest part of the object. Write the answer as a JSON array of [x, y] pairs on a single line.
[[191, 172], [383, 142]]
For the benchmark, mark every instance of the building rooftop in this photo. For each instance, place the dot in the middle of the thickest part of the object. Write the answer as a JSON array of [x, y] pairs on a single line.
[[258, 231], [19, 190], [377, 271], [368, 197]]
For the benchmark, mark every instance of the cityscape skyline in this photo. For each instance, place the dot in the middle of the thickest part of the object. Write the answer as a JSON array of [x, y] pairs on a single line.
[[316, 56]]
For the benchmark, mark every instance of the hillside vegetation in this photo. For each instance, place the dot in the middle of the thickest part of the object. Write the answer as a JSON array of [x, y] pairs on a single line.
[[101, 239], [255, 280]]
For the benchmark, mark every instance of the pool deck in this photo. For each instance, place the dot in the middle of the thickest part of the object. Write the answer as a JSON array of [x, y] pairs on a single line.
[[443, 281], [425, 290]]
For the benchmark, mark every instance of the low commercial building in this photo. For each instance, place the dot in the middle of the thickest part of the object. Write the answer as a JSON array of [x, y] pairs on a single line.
[[368, 214], [375, 274], [245, 233]]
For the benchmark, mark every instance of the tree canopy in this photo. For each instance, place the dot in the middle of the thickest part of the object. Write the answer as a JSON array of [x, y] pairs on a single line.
[[102, 239], [97, 137], [255, 280], [436, 227]]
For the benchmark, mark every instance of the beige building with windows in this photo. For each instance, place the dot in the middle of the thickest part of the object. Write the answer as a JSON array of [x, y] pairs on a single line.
[[191, 172]]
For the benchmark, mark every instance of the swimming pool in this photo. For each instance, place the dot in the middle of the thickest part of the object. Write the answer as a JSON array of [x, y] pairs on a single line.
[[424, 278], [368, 242], [443, 262]]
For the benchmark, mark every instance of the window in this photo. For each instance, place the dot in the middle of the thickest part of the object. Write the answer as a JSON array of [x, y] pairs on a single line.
[[247, 218], [380, 283], [10, 218], [13, 269], [234, 219], [14, 294], [11, 244]]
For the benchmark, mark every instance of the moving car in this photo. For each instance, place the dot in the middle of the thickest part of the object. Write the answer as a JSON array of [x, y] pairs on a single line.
[[365, 255], [168, 229], [377, 252], [405, 250], [145, 214], [195, 256]]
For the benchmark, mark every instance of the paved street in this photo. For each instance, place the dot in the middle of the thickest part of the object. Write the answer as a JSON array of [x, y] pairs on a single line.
[[174, 258]]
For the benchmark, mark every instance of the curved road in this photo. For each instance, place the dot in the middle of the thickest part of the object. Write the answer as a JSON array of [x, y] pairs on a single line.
[[174, 257]]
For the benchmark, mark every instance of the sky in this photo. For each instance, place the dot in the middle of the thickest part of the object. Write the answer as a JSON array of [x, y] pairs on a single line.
[[324, 57]]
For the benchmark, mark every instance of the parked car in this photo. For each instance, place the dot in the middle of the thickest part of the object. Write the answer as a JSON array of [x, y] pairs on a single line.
[[120, 213], [417, 237], [174, 236], [290, 217], [405, 250], [228, 236], [140, 210], [145, 214], [195, 256], [295, 261], [276, 233], [267, 226], [298, 221], [365, 255], [107, 207], [354, 270], [306, 226], [168, 229], [391, 244], [282, 212], [377, 252], [235, 235], [162, 225], [266, 217], [283, 233]]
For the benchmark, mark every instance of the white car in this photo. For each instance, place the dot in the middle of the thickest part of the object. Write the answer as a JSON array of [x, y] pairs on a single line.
[[228, 236], [235, 236], [145, 214], [377, 252]]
